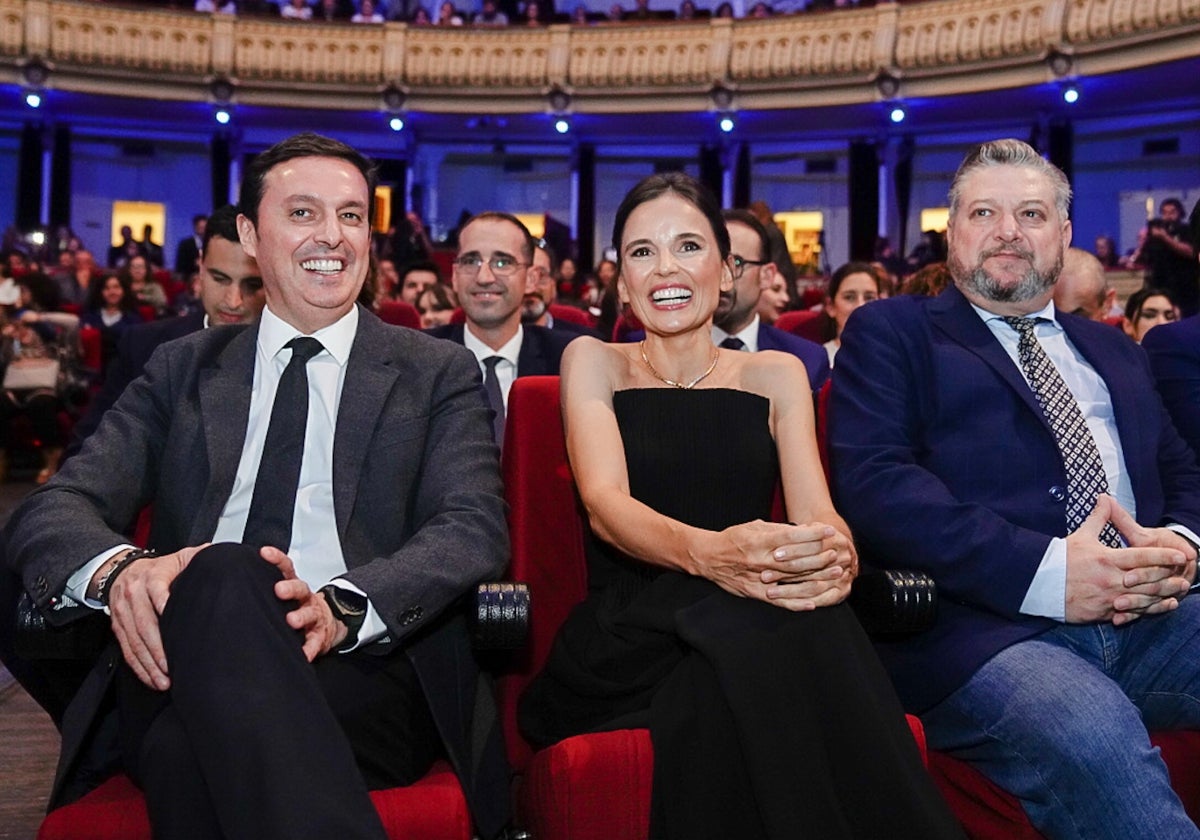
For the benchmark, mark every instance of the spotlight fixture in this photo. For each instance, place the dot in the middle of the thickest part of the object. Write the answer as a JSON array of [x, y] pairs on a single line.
[[396, 124], [562, 125], [1070, 94], [222, 116], [221, 90], [726, 124], [559, 100], [722, 97], [1060, 63], [34, 73], [33, 99], [887, 85], [393, 99], [898, 114]]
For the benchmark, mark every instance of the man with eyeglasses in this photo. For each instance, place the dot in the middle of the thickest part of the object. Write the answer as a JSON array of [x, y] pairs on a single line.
[[736, 323], [491, 278]]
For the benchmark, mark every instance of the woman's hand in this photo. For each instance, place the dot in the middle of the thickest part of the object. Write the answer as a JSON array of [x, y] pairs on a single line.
[[798, 567]]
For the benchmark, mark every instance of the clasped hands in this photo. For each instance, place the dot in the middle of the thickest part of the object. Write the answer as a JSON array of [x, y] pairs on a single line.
[[140, 595], [798, 567], [1120, 585]]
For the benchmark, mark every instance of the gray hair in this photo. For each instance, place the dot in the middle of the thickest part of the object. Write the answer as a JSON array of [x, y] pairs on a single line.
[[1011, 152]]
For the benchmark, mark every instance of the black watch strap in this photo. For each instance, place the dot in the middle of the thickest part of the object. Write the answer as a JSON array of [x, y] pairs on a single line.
[[348, 607]]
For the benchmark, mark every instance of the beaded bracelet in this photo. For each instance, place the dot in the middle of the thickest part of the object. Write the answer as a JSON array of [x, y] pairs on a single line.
[[110, 577]]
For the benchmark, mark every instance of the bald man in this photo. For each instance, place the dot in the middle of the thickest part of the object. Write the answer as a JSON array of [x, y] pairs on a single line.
[[1082, 287]]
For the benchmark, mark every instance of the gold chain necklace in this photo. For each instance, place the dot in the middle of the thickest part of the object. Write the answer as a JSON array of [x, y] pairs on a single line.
[[688, 386]]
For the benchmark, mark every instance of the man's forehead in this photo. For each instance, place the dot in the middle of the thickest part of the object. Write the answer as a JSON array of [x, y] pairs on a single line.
[[1007, 182], [485, 235], [228, 258]]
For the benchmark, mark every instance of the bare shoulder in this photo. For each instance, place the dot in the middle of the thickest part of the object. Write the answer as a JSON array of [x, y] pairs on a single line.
[[589, 365], [774, 375]]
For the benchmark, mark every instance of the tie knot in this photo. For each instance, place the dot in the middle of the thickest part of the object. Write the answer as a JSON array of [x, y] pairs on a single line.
[[304, 348], [491, 361], [1024, 326], [733, 343]]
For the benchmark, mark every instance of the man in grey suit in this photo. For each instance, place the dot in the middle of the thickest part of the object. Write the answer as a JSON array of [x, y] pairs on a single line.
[[265, 682]]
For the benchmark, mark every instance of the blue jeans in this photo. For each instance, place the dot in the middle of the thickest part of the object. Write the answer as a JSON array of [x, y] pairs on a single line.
[[1060, 721]]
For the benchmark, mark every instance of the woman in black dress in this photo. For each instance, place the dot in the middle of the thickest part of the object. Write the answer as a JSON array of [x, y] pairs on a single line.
[[723, 633]]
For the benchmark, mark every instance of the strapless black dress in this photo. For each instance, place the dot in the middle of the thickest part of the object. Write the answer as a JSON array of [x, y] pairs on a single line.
[[765, 723]]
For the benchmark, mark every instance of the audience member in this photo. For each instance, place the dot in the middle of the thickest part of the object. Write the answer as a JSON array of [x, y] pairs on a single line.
[[1146, 309], [491, 278], [295, 10], [851, 286], [436, 305], [414, 278], [187, 252], [70, 290], [930, 248], [737, 324], [958, 448], [1174, 352], [490, 15], [774, 299], [360, 673], [535, 306], [387, 280], [1170, 257], [779, 249], [1082, 288], [366, 13], [930, 280], [111, 308], [704, 622], [448, 15], [230, 291], [145, 288], [1106, 252], [120, 253], [151, 250], [420, 17]]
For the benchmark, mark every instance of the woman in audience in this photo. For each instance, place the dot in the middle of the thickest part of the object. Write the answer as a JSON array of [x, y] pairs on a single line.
[[448, 15], [726, 635], [145, 288], [112, 309], [774, 300], [1146, 309], [852, 285], [436, 304], [1106, 252]]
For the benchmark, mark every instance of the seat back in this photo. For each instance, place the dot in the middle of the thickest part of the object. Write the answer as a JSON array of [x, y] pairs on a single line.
[[399, 313], [570, 313], [545, 521], [806, 323]]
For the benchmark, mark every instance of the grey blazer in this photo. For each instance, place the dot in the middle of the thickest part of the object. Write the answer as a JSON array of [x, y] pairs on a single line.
[[417, 499]]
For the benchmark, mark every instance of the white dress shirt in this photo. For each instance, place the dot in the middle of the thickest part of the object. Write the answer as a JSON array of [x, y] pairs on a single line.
[[506, 370], [748, 335], [1048, 590]]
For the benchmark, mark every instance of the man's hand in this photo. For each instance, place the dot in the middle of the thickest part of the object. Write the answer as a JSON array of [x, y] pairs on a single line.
[[136, 600], [1123, 584], [322, 632]]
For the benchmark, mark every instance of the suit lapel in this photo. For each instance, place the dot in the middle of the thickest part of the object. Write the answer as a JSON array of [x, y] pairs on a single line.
[[531, 361], [224, 414], [370, 378], [952, 314]]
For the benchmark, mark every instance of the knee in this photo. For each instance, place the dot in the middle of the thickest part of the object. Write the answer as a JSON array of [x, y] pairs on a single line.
[[222, 577]]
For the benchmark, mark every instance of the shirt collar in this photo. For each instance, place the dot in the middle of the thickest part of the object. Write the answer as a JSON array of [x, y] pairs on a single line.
[[337, 338], [1045, 314], [509, 351], [748, 334]]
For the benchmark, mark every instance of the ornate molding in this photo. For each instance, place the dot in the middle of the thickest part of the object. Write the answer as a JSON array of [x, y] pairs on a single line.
[[932, 47]]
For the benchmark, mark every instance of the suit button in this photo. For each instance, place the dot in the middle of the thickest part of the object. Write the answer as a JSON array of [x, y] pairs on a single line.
[[409, 616], [41, 584], [1057, 493]]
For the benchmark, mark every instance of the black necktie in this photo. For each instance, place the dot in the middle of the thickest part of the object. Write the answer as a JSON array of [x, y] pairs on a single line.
[[491, 384], [1081, 459], [274, 502], [733, 343]]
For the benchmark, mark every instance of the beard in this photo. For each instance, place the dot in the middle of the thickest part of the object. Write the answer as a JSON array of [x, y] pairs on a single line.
[[978, 282], [532, 308]]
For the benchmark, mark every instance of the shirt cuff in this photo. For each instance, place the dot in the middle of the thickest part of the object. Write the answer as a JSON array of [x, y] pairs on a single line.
[[1047, 593], [373, 628], [77, 584]]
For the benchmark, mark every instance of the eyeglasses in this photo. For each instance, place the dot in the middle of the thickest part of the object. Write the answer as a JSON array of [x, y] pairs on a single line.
[[740, 263], [499, 265]]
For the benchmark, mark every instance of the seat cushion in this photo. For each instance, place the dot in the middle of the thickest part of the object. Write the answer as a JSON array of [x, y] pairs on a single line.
[[432, 809]]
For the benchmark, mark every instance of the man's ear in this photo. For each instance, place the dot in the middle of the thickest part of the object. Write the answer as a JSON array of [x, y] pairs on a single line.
[[248, 235], [766, 276]]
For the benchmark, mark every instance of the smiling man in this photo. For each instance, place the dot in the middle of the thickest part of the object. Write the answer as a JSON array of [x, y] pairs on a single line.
[[1019, 455], [491, 279], [324, 489]]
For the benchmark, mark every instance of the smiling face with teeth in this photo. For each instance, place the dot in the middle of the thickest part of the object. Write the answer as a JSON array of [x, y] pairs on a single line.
[[311, 239], [672, 274]]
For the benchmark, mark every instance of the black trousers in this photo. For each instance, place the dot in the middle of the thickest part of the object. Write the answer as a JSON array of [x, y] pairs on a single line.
[[253, 741]]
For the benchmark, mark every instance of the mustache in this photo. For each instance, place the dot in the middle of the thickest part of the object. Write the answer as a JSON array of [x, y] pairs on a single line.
[[1008, 251]]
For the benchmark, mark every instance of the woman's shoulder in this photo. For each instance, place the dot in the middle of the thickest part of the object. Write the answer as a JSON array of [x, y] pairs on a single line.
[[772, 373]]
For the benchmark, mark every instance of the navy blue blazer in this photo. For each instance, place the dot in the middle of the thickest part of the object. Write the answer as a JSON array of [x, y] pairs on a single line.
[[942, 461], [541, 349], [1174, 351]]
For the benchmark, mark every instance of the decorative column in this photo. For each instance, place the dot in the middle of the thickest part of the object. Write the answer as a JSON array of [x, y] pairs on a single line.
[[864, 199]]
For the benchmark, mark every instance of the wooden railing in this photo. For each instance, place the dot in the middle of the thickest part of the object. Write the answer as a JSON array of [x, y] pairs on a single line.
[[932, 47]]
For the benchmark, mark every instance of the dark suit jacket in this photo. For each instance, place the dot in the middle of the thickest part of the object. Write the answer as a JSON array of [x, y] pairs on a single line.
[[541, 349], [942, 461], [133, 352], [417, 500], [187, 256], [816, 360], [1174, 351]]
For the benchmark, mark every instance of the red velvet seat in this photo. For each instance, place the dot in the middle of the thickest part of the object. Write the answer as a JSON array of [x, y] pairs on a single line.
[[432, 809], [589, 787], [570, 313], [399, 313], [806, 323]]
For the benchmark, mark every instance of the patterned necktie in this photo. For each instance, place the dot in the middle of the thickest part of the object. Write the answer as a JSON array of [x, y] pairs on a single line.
[[733, 343], [274, 501], [491, 384], [1081, 459]]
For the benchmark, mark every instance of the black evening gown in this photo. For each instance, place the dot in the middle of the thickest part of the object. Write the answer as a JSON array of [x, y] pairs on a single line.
[[765, 723]]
